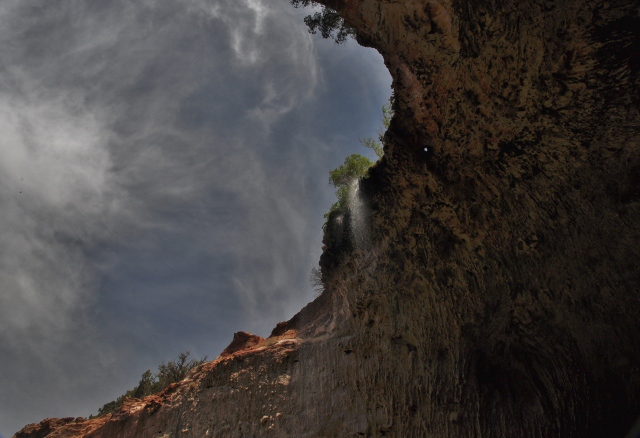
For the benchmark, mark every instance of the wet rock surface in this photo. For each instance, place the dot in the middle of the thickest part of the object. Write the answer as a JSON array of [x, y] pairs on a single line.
[[497, 291]]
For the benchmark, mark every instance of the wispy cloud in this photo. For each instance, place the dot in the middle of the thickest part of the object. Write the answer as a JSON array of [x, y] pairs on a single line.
[[58, 196], [162, 182]]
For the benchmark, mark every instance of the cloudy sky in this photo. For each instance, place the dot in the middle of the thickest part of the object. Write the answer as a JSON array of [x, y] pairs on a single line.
[[163, 177]]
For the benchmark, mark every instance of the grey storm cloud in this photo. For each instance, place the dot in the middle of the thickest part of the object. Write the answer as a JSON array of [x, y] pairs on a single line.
[[163, 175]]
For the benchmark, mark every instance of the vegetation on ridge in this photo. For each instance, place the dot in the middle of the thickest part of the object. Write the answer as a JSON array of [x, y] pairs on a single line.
[[150, 383], [376, 145], [356, 165]]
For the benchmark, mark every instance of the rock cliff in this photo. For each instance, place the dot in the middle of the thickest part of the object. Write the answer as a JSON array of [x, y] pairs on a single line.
[[486, 280]]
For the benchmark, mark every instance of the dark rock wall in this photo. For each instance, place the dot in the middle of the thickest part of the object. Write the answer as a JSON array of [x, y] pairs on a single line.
[[501, 279]]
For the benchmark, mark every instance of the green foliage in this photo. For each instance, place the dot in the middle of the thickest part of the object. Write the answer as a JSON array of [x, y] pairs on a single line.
[[171, 372], [327, 22], [376, 145], [354, 167], [370, 143]]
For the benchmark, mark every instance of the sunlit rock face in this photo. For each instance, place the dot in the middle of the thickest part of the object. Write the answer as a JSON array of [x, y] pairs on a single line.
[[496, 293]]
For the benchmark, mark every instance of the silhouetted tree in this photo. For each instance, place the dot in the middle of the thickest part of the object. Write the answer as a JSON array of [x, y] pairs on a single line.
[[328, 22]]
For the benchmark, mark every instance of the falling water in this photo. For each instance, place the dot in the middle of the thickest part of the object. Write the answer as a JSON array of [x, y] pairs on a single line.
[[359, 216]]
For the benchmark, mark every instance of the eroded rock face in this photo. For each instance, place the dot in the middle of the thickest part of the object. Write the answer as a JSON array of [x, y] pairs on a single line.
[[241, 341], [486, 286], [61, 427]]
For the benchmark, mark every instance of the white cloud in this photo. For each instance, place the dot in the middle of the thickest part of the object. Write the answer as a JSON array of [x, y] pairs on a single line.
[[168, 162], [57, 195]]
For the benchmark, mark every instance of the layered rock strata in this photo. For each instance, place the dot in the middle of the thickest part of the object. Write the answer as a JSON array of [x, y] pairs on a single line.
[[486, 283]]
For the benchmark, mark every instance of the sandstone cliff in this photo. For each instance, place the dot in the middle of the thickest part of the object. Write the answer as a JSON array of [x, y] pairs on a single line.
[[487, 282]]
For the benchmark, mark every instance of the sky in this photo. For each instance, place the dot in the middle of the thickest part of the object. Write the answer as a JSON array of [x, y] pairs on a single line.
[[163, 179]]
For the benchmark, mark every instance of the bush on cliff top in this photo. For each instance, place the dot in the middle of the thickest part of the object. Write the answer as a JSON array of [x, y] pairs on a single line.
[[150, 383], [353, 168], [355, 165]]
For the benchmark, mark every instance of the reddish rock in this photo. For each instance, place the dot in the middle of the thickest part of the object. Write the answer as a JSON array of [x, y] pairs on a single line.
[[44, 428], [241, 341], [62, 428]]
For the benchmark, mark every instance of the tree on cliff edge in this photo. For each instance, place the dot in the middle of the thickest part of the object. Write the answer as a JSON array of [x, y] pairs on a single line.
[[354, 167], [328, 22]]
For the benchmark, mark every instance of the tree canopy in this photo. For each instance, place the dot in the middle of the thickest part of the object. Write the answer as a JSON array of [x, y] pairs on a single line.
[[354, 167], [328, 22]]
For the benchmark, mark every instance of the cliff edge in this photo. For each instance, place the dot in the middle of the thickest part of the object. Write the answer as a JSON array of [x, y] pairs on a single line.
[[487, 282]]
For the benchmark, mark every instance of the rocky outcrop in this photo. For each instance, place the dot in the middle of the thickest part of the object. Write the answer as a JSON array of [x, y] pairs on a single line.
[[486, 283], [241, 341], [61, 427]]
